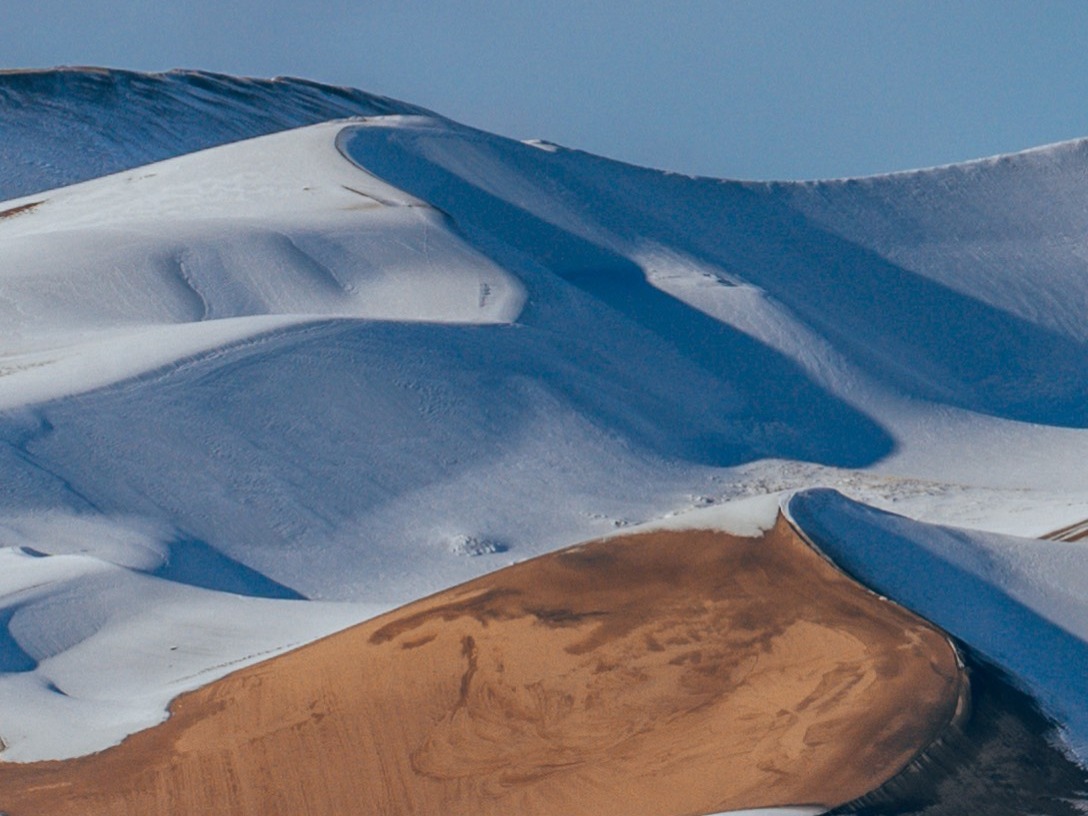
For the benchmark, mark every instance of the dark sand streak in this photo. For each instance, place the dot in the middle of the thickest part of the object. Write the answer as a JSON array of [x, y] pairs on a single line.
[[11, 212]]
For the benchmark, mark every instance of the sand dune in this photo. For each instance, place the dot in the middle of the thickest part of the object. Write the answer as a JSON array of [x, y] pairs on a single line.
[[662, 673]]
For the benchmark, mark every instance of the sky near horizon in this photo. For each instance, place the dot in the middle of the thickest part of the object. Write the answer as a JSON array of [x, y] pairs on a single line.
[[769, 89]]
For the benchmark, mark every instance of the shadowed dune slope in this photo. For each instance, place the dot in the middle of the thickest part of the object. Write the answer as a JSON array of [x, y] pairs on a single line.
[[661, 673]]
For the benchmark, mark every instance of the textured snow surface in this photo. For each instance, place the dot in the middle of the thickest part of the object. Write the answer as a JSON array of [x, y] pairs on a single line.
[[252, 394]]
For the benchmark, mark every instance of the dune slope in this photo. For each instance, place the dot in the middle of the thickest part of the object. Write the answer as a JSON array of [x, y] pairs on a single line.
[[609, 678]]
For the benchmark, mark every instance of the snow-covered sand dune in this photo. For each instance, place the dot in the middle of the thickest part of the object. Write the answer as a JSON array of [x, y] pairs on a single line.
[[66, 125], [367, 359], [279, 226]]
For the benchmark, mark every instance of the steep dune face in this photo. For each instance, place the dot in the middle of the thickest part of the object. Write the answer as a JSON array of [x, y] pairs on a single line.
[[944, 284], [610, 678]]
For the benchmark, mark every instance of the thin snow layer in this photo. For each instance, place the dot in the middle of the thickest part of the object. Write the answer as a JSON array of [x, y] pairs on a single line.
[[113, 618], [68, 125], [363, 361], [1019, 602], [748, 517]]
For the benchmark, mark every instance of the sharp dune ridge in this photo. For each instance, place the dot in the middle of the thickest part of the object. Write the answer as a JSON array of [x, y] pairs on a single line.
[[658, 673]]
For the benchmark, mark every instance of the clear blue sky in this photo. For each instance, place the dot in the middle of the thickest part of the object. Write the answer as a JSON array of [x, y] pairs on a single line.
[[766, 89]]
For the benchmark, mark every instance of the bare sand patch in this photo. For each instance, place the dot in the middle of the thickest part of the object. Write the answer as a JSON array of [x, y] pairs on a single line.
[[680, 672], [1073, 532], [11, 212]]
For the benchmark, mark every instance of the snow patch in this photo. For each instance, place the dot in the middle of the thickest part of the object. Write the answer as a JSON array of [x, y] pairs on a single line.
[[471, 545], [746, 518]]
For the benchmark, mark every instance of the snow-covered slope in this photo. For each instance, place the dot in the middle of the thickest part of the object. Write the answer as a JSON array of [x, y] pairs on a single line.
[[366, 359], [891, 312], [282, 227], [67, 125], [92, 649]]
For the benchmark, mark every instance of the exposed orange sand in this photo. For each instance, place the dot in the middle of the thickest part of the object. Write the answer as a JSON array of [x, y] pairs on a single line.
[[22, 208], [662, 673], [1073, 532]]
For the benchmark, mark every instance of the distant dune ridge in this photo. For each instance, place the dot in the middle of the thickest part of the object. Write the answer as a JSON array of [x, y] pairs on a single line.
[[68, 125], [661, 673]]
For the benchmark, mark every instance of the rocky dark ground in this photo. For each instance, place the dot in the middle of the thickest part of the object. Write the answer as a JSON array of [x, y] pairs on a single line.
[[1002, 761]]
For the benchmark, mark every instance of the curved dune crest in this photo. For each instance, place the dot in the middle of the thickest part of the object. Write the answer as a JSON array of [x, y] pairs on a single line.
[[676, 672]]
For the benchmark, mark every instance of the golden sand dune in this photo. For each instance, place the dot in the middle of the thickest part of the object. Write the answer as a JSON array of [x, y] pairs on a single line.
[[662, 673]]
